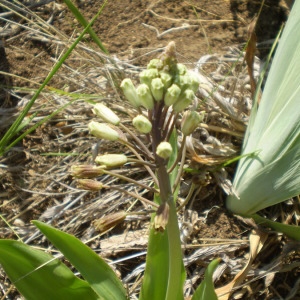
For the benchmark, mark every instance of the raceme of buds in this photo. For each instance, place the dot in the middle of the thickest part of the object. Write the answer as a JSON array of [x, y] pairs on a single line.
[[86, 171], [129, 91], [145, 96], [185, 99], [89, 184], [164, 150], [111, 160], [172, 94], [106, 114], [142, 124], [157, 89], [103, 131], [190, 121]]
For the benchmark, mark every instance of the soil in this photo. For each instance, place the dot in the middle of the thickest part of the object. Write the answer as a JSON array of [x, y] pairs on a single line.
[[33, 185]]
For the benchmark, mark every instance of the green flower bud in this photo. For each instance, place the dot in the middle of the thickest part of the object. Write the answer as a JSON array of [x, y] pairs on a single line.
[[111, 160], [157, 89], [166, 79], [194, 81], [142, 124], [164, 150], [181, 69], [106, 114], [103, 131], [190, 121], [183, 81], [155, 63], [172, 94], [145, 96], [130, 92], [185, 99], [146, 76], [86, 171]]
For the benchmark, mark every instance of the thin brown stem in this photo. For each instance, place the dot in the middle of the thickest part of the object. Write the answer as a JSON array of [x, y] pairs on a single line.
[[128, 179], [138, 142], [134, 195]]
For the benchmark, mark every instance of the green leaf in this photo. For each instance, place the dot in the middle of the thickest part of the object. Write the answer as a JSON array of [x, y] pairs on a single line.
[[274, 130], [164, 248], [37, 275], [92, 267], [291, 231], [206, 290], [156, 274]]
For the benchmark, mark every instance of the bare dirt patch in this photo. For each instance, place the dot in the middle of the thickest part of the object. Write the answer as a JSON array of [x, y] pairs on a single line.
[[35, 181]]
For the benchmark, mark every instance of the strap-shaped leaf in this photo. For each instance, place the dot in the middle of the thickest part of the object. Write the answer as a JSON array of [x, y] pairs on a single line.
[[206, 290], [91, 266], [37, 275], [274, 132]]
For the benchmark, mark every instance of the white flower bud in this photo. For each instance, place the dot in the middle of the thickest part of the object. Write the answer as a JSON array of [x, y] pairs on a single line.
[[155, 63], [157, 89], [164, 150], [166, 79], [106, 114], [185, 99], [172, 95], [145, 96], [194, 81], [103, 131], [142, 124], [111, 160], [130, 92], [183, 81], [190, 122], [146, 76], [181, 69]]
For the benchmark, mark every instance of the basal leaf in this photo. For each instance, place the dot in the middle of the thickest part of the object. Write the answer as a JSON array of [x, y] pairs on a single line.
[[206, 290], [37, 275], [91, 266]]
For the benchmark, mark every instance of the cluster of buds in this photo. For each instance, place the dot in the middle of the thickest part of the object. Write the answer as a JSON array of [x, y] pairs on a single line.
[[166, 90], [163, 80]]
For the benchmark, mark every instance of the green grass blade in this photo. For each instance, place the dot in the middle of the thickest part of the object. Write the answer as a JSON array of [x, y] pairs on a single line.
[[85, 23], [91, 266], [206, 290], [8, 136], [37, 275]]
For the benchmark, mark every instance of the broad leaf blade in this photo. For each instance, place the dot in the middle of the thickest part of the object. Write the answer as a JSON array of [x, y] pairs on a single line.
[[274, 131], [91, 266], [206, 290], [38, 276]]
